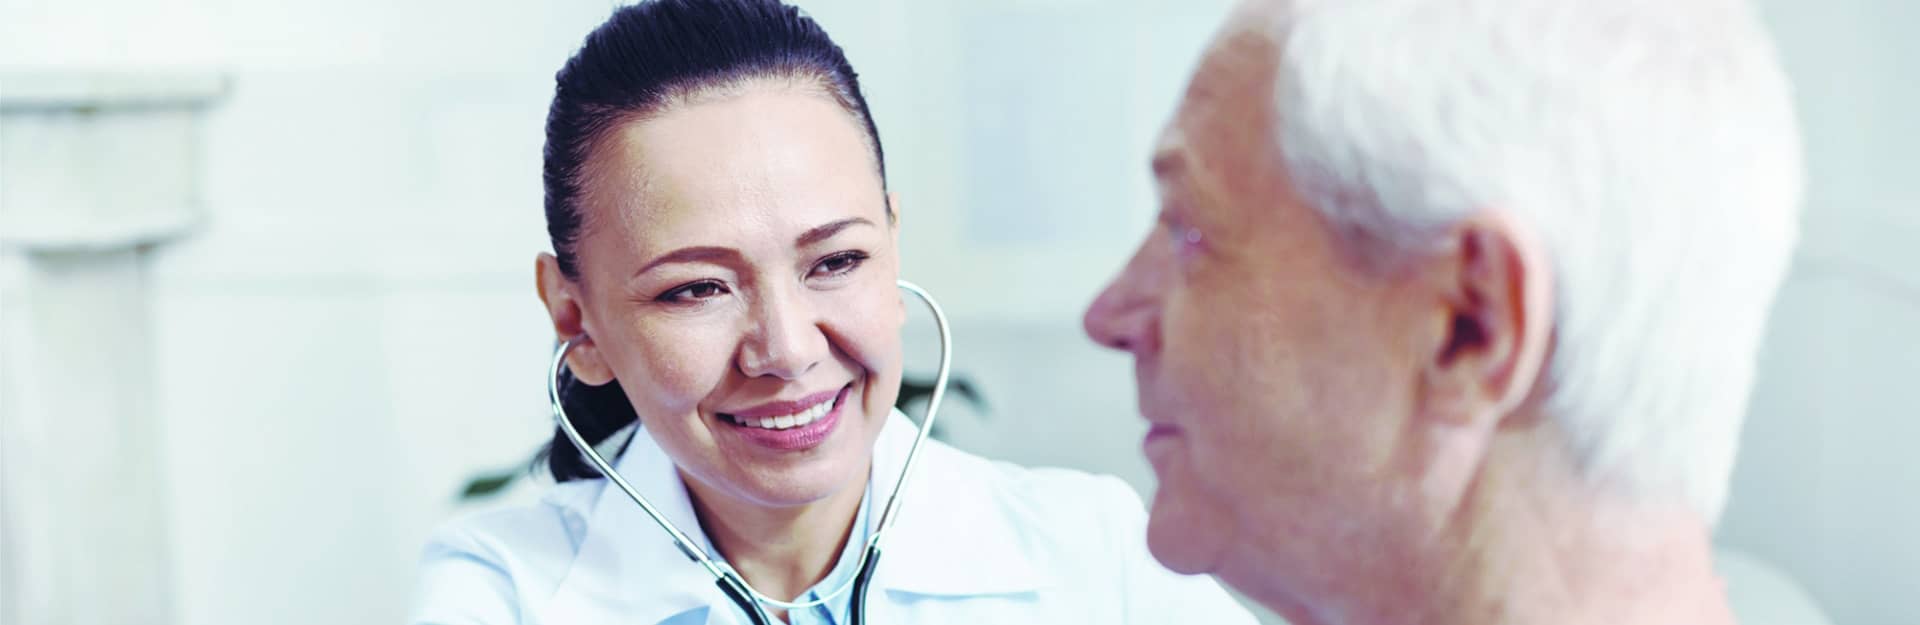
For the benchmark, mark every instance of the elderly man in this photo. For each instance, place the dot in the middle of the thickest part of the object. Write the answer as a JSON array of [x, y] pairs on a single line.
[[1452, 309]]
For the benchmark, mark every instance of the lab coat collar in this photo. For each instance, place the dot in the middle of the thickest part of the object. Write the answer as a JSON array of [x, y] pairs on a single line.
[[954, 537], [625, 568]]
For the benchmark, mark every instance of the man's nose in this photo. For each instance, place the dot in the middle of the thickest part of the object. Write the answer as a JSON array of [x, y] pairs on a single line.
[[1124, 314], [785, 340]]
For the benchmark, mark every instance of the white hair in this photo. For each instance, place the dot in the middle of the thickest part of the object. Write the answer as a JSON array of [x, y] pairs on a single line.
[[1651, 144]]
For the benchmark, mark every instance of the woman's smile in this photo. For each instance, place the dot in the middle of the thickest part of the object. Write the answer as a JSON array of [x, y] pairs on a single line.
[[793, 425]]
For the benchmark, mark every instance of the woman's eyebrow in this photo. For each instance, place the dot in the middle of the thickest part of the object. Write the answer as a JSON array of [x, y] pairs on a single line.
[[826, 231], [689, 255], [710, 253]]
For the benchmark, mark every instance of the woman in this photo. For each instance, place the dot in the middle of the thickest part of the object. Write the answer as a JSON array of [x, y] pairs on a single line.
[[724, 264]]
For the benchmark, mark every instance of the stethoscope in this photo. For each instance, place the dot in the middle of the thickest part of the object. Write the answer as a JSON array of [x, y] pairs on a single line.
[[730, 581]]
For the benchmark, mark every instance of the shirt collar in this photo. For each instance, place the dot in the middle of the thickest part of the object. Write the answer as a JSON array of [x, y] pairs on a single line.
[[953, 536]]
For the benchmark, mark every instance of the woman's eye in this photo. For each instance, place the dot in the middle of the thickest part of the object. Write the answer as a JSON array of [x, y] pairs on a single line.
[[693, 293], [839, 264]]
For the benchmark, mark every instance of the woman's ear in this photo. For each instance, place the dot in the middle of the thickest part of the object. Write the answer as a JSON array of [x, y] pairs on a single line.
[[561, 297]]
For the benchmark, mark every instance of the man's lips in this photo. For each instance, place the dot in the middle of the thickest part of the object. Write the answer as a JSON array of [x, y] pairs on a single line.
[[1162, 440]]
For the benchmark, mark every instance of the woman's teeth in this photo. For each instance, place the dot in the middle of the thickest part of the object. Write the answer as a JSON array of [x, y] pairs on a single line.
[[783, 422]]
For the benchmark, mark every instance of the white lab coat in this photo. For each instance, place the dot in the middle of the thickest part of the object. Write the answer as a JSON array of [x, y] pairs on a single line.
[[976, 542]]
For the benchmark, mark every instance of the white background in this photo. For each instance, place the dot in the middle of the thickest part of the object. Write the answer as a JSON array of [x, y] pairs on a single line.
[[354, 333]]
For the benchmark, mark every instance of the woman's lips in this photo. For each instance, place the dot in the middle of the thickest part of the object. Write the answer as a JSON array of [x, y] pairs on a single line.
[[778, 408], [791, 426]]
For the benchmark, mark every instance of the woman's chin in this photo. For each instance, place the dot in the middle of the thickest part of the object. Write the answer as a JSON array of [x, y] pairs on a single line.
[[811, 483]]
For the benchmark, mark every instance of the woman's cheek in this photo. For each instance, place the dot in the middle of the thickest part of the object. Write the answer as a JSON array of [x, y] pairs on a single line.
[[872, 327], [678, 365]]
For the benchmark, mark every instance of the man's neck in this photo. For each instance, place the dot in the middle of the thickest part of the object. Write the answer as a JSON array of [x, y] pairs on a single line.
[[781, 551], [1525, 544], [1533, 562], [1531, 543]]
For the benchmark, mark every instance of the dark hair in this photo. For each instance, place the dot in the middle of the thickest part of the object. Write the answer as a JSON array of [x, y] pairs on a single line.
[[642, 60]]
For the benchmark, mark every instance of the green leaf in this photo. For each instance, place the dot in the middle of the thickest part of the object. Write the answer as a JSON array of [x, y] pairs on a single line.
[[488, 484]]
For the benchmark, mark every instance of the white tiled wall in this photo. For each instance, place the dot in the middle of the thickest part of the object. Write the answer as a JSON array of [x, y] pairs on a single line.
[[355, 332]]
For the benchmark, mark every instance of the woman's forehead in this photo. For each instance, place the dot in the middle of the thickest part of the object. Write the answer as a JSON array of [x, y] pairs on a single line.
[[764, 158]]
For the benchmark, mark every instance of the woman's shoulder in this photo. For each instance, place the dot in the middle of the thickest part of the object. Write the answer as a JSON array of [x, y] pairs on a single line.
[[485, 566], [555, 521], [482, 566]]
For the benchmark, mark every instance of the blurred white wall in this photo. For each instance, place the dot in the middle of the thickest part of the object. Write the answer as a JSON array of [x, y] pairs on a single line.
[[354, 332], [1827, 477]]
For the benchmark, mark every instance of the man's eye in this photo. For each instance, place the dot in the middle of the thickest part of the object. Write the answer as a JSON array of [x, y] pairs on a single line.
[[1183, 236]]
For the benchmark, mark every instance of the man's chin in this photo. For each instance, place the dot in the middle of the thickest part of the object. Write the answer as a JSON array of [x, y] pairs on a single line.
[[1180, 546]]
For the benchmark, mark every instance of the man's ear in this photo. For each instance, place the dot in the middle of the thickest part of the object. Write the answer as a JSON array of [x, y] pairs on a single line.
[[561, 297], [1491, 322]]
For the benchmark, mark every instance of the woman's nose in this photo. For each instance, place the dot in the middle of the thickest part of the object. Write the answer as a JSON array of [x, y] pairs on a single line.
[[786, 340]]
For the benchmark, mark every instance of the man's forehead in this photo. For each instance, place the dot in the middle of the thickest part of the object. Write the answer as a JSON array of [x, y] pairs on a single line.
[[1240, 66], [1242, 55], [1230, 97]]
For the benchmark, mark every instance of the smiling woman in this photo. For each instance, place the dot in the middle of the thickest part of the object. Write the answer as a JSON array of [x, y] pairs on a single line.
[[723, 273], [725, 242]]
